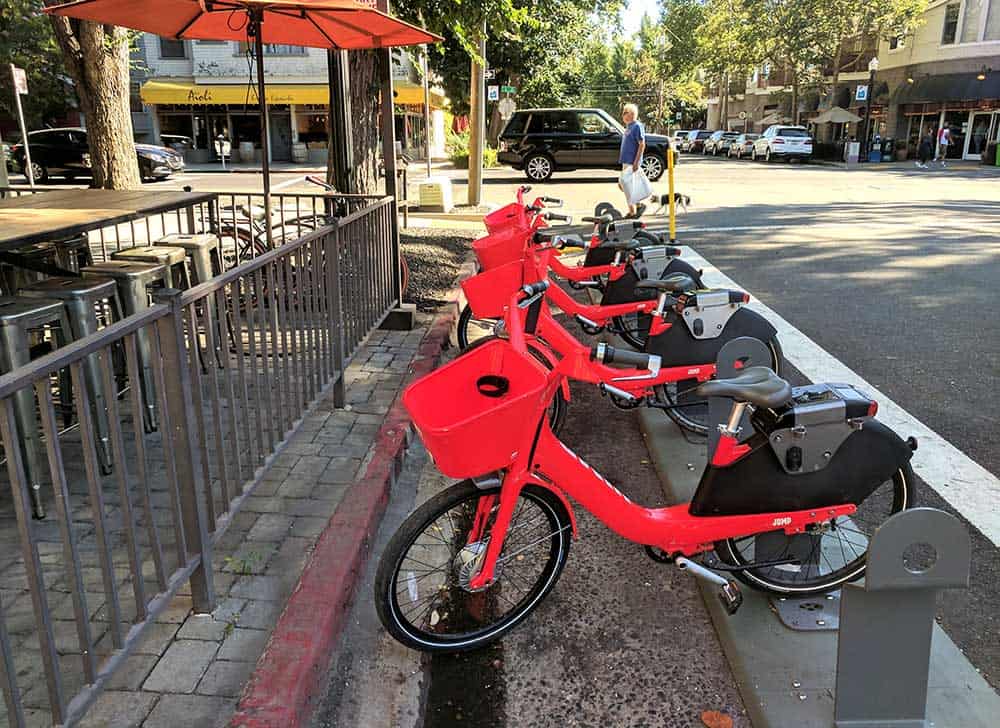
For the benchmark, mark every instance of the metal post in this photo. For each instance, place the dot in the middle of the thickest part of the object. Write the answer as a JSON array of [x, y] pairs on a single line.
[[255, 29], [477, 134], [183, 445], [24, 133], [341, 135], [427, 114], [4, 182], [389, 158], [868, 116], [670, 181]]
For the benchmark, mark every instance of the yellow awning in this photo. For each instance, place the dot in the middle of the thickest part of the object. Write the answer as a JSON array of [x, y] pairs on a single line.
[[413, 94], [187, 92]]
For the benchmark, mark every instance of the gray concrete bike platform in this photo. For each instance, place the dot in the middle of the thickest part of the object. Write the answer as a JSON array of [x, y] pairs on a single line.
[[787, 677]]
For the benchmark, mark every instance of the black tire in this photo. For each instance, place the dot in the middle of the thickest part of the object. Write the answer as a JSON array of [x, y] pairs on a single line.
[[872, 512], [457, 501], [559, 406], [606, 208], [472, 329], [539, 167], [767, 156], [694, 416], [654, 165], [40, 172]]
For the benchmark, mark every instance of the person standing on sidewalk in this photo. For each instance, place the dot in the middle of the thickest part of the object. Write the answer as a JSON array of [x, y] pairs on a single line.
[[925, 149], [943, 142], [630, 155]]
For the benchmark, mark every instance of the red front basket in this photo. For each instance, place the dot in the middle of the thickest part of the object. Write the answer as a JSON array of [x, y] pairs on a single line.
[[467, 432], [499, 248], [488, 292], [508, 216]]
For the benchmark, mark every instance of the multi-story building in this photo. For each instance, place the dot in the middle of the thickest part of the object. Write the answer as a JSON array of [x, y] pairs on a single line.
[[947, 73], [201, 90]]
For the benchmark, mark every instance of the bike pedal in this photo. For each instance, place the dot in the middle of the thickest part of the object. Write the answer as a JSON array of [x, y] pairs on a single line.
[[731, 597]]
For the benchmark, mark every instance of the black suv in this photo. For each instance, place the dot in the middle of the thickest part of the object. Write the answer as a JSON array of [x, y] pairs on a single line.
[[543, 141], [64, 152]]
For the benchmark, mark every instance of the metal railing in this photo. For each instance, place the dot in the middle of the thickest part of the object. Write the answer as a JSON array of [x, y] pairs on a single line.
[[234, 365]]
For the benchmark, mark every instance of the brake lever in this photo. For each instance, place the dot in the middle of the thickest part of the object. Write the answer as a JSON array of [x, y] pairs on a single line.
[[530, 300]]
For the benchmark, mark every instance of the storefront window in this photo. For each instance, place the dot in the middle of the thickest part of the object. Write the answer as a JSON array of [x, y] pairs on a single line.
[[958, 122], [177, 125], [950, 23], [246, 128], [310, 121], [970, 20]]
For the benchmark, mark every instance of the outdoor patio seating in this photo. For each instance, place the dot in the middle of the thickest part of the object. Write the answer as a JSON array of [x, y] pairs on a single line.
[[13, 278], [134, 281], [74, 253], [20, 318], [88, 302], [174, 259]]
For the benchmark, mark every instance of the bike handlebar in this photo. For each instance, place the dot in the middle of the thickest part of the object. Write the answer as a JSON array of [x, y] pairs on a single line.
[[554, 216], [610, 355], [551, 201], [537, 287]]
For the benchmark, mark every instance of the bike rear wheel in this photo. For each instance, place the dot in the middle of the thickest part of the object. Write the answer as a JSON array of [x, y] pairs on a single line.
[[829, 559], [421, 588]]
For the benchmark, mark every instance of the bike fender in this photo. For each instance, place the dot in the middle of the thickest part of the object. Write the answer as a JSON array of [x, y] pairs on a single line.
[[554, 489]]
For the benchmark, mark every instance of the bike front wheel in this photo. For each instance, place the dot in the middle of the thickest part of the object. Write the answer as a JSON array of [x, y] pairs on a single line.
[[834, 556], [422, 592]]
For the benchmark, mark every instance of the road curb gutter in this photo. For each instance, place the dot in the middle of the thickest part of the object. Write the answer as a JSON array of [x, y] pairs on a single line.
[[287, 682], [786, 677]]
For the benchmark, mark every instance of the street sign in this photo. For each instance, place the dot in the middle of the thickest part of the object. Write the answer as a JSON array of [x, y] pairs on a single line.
[[506, 107], [508, 89], [20, 80], [489, 74], [861, 93], [492, 93]]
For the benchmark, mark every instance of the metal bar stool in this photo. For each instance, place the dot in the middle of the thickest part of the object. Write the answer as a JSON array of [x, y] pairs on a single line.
[[19, 318], [133, 280], [74, 253], [175, 260], [205, 255], [87, 300], [14, 278]]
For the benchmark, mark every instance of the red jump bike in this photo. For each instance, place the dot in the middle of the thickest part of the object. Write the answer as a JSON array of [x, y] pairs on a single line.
[[784, 514]]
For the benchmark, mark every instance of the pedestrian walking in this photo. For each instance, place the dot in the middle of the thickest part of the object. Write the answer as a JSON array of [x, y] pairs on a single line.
[[925, 150], [943, 142], [630, 155]]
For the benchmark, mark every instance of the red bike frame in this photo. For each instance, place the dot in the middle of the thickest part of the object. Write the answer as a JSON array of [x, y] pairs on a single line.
[[546, 462]]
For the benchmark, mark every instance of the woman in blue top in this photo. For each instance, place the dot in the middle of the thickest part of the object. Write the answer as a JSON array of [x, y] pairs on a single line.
[[633, 145]]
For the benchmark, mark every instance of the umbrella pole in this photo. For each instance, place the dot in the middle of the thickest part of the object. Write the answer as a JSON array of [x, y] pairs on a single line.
[[256, 21]]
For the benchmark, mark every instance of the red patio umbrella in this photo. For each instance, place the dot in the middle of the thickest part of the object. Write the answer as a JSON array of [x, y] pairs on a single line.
[[337, 24]]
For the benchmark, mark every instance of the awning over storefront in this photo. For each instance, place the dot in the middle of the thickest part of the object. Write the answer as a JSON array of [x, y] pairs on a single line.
[[188, 92], [948, 87]]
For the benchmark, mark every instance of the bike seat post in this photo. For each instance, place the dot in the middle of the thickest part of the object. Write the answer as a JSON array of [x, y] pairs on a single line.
[[732, 428]]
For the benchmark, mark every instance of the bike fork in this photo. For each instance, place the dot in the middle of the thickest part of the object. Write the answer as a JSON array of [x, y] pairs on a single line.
[[728, 590]]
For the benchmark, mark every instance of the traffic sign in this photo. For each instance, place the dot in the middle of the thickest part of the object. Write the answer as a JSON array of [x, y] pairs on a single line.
[[492, 93], [506, 107], [489, 74], [861, 93], [20, 80], [508, 89]]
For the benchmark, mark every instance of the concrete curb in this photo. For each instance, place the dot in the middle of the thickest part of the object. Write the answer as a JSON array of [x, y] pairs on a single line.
[[288, 679]]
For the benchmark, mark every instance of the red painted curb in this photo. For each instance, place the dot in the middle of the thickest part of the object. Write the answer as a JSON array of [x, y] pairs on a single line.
[[283, 690]]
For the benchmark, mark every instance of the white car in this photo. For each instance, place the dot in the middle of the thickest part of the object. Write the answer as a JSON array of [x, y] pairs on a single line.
[[783, 142]]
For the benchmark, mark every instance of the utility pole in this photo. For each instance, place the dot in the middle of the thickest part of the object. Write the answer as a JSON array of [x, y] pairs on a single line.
[[477, 131], [427, 113], [4, 182]]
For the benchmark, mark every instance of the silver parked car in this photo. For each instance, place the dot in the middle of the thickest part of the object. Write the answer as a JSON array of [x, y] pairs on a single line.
[[783, 142], [741, 145]]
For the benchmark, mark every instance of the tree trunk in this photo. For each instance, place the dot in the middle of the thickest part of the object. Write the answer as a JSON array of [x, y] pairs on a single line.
[[365, 108], [97, 59], [795, 96]]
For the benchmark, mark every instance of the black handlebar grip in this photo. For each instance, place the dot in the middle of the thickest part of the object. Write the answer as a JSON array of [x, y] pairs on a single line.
[[525, 188], [556, 216], [532, 208], [611, 355], [552, 200], [537, 287]]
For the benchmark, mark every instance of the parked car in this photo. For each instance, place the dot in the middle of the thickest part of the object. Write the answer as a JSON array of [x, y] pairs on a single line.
[[679, 136], [8, 155], [782, 142], [178, 142], [741, 145], [719, 142], [695, 141], [543, 141], [64, 152]]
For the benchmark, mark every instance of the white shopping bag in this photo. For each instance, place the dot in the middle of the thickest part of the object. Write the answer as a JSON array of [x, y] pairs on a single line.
[[636, 186]]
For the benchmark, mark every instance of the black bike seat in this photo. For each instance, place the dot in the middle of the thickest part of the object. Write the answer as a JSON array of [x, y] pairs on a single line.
[[756, 385], [673, 283]]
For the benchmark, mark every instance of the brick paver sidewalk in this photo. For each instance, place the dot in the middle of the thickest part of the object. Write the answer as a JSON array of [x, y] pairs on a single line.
[[192, 668]]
